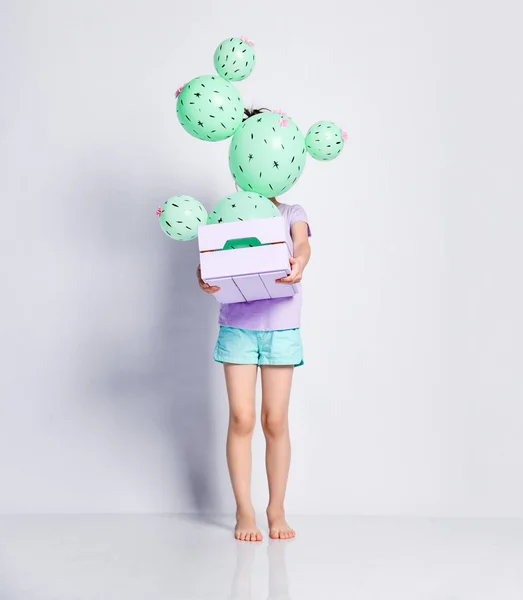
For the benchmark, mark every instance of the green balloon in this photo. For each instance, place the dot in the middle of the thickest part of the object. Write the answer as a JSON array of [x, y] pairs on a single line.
[[234, 59], [181, 216], [210, 108], [267, 154], [242, 206], [324, 140]]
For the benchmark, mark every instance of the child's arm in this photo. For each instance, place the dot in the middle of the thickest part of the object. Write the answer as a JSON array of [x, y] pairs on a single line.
[[302, 252]]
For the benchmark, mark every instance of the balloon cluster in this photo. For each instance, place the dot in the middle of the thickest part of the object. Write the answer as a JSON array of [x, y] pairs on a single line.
[[267, 152], [180, 216]]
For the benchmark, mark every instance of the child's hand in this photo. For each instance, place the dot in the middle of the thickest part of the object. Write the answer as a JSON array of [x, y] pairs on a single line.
[[208, 289], [295, 275]]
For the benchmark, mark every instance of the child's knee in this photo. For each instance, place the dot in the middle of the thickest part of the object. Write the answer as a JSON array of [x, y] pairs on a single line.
[[274, 425], [243, 423]]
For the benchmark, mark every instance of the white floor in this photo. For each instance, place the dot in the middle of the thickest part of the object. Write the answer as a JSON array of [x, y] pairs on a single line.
[[176, 558]]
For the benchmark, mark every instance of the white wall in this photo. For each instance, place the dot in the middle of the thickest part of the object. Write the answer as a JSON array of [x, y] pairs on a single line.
[[411, 399]]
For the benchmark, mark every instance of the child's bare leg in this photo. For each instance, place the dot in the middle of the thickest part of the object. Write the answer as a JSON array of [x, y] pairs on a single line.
[[276, 388], [241, 389]]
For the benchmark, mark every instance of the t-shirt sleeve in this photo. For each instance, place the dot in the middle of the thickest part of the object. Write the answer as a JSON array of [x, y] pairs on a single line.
[[298, 215]]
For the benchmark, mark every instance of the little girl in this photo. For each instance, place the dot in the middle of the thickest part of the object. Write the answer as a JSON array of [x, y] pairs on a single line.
[[265, 334]]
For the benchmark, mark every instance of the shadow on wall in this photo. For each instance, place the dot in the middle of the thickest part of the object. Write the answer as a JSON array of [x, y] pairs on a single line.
[[157, 374], [182, 377]]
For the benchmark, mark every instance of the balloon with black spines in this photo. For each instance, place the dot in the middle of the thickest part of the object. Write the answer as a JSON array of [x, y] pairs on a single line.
[[180, 217]]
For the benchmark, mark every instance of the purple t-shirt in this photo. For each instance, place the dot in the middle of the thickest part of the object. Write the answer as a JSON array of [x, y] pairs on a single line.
[[275, 314]]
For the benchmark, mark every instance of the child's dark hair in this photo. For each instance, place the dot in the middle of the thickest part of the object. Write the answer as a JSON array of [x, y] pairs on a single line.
[[252, 112]]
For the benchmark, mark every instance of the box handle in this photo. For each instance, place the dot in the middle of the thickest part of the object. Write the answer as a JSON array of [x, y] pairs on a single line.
[[251, 242]]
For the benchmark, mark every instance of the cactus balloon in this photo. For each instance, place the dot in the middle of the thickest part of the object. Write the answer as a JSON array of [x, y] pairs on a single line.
[[242, 206], [267, 154], [324, 140], [234, 59], [180, 217], [209, 108]]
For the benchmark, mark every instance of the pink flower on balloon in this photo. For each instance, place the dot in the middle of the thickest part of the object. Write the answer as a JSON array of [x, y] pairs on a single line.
[[246, 41], [159, 211], [179, 91], [344, 136], [283, 123]]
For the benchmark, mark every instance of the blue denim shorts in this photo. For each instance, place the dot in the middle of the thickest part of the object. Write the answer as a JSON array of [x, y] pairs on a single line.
[[246, 347]]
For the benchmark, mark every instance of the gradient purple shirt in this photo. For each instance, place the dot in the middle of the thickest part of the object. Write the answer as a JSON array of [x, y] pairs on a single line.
[[275, 314]]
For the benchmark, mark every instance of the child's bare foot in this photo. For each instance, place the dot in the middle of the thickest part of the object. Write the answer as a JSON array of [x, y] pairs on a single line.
[[278, 527], [246, 529]]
